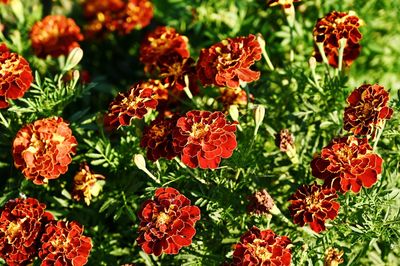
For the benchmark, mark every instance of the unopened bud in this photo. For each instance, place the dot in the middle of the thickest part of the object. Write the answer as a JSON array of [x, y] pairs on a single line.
[[312, 63], [140, 162], [259, 114], [73, 59], [234, 112]]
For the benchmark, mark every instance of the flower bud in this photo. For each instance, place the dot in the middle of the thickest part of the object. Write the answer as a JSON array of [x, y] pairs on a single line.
[[259, 113], [260, 203], [234, 112], [312, 62], [73, 59], [140, 162]]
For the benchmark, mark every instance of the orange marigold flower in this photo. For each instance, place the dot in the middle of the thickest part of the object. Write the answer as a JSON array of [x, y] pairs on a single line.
[[347, 163], [228, 62], [167, 222], [367, 110], [63, 243], [139, 100], [86, 184], [157, 138], [232, 96], [55, 35], [43, 150], [260, 203], [313, 204], [21, 224], [283, 3], [15, 76], [333, 257], [203, 138], [264, 247], [334, 27]]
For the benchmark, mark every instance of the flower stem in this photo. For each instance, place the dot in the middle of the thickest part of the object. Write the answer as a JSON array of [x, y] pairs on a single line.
[[379, 136]]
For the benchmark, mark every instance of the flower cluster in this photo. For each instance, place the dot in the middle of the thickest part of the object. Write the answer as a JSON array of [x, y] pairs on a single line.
[[55, 35], [313, 204], [331, 29], [43, 150], [121, 16], [347, 163], [367, 110], [228, 62], [15, 76], [86, 184], [167, 222], [260, 203], [264, 248]]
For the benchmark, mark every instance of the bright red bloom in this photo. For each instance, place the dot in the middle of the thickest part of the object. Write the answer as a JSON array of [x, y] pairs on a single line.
[[347, 163], [157, 138], [283, 3], [43, 150], [333, 27], [15, 76], [203, 138], [367, 110], [139, 100], [228, 62], [232, 96], [86, 184], [21, 223], [174, 72], [55, 35], [314, 204], [63, 243], [167, 222], [262, 248]]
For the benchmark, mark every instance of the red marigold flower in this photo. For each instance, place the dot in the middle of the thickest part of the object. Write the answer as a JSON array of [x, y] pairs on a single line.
[[43, 150], [232, 96], [157, 138], [334, 27], [347, 163], [203, 138], [15, 76], [63, 243], [21, 223], [178, 73], [86, 184], [228, 62], [313, 204], [55, 35], [367, 110], [258, 247], [283, 3], [260, 203], [140, 99], [167, 222], [4, 1]]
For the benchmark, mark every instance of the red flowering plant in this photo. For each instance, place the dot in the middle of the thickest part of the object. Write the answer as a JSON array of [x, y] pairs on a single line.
[[347, 163], [167, 222], [21, 225], [43, 150], [262, 247], [202, 138], [63, 243], [228, 62], [314, 204], [15, 76], [55, 35], [368, 109]]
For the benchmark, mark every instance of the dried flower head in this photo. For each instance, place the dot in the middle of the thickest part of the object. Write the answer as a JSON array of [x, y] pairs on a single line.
[[43, 150], [63, 243], [228, 62], [283, 3], [260, 203], [55, 35], [167, 222], [86, 184], [334, 27], [258, 247], [333, 257], [284, 140], [15, 76], [347, 163], [232, 96], [367, 110], [313, 204], [21, 224], [203, 138]]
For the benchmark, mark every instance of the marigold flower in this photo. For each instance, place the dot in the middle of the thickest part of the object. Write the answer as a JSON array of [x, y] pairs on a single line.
[[260, 203], [258, 247], [334, 27], [167, 222], [55, 35], [228, 62], [63, 243], [283, 3], [347, 163], [367, 110], [284, 140], [232, 96], [86, 184], [313, 204], [333, 257], [157, 138], [43, 150], [21, 223], [203, 138], [140, 99], [179, 73], [4, 1]]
